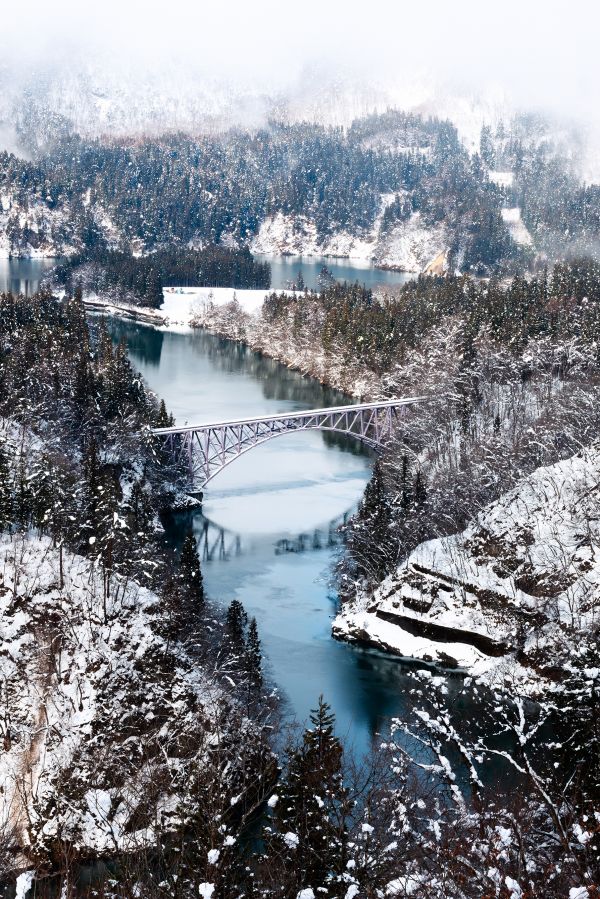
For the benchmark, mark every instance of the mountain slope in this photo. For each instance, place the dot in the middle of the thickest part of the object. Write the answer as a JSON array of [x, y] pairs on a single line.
[[507, 597]]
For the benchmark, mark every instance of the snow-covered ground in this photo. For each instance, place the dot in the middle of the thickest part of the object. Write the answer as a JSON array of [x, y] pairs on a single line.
[[528, 564], [516, 226], [183, 304]]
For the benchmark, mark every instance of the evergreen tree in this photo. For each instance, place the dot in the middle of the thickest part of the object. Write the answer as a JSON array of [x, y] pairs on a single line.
[[164, 419], [370, 542], [309, 824], [190, 575], [234, 638], [22, 492], [405, 491], [254, 658], [6, 495], [420, 490], [486, 146], [43, 493], [92, 471]]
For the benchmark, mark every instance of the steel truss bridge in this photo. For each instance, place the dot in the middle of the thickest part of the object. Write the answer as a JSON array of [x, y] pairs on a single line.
[[207, 449]]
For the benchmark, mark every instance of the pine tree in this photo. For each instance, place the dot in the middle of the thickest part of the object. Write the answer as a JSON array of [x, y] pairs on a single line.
[[420, 490], [164, 419], [254, 658], [22, 492], [234, 638], [43, 493], [405, 491], [370, 541], [309, 832], [6, 496], [92, 489], [190, 575]]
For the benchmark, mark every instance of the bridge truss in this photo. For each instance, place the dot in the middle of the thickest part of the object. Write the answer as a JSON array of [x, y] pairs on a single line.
[[209, 448]]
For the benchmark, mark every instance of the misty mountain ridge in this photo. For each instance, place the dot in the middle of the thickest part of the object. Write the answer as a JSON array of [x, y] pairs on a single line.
[[127, 100]]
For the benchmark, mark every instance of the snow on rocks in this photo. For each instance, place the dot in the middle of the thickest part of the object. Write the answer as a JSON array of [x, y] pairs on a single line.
[[529, 563], [408, 246]]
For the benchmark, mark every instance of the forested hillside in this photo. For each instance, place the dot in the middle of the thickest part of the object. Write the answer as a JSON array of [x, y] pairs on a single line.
[[118, 707], [474, 545], [394, 188]]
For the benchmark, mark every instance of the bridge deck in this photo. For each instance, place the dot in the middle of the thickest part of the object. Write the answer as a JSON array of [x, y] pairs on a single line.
[[303, 413]]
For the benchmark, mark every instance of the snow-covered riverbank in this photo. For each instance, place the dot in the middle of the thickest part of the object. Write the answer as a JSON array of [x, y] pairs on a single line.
[[505, 599], [181, 305]]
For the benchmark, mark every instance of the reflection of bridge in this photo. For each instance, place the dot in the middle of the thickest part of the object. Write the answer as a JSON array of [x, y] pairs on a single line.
[[209, 448], [215, 543]]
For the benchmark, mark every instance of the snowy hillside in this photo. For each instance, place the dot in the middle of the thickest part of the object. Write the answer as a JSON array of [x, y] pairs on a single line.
[[126, 100], [408, 246], [34, 228], [507, 596], [103, 721]]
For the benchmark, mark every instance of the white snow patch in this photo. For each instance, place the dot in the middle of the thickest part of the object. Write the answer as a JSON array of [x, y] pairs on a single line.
[[502, 179], [516, 226], [24, 884]]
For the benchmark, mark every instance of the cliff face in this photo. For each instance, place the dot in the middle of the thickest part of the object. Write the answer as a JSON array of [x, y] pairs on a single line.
[[408, 246], [507, 597]]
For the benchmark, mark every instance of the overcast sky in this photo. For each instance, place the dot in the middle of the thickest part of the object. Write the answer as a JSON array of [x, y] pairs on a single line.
[[543, 53]]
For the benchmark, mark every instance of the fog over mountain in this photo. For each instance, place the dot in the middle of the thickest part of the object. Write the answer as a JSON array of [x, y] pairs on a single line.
[[138, 68]]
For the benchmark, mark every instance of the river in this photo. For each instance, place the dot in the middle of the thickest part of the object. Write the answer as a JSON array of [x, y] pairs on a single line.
[[23, 275], [268, 532]]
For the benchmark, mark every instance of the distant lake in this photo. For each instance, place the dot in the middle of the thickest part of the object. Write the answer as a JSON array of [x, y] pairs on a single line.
[[286, 269], [23, 275]]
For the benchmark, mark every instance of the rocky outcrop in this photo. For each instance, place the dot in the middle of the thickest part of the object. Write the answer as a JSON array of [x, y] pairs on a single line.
[[509, 593]]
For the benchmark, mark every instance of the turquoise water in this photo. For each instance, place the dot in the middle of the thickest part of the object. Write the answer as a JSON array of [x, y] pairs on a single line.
[[285, 271], [268, 533]]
